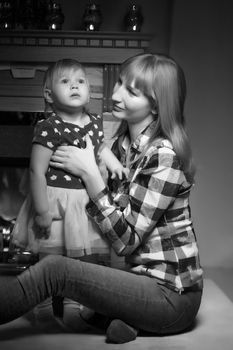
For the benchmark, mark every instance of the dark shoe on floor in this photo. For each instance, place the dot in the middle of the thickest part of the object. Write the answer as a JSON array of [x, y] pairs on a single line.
[[120, 332]]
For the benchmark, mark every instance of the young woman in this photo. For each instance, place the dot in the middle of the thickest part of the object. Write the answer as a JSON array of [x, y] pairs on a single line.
[[146, 218]]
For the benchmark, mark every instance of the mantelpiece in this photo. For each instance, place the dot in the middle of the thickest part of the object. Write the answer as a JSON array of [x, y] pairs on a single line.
[[25, 55], [22, 53], [88, 47]]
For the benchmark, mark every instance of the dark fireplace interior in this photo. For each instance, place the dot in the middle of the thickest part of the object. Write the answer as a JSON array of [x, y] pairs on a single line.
[[14, 186]]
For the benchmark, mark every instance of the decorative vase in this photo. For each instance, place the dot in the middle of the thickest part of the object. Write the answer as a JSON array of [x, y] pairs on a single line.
[[92, 17], [133, 19], [6, 15], [54, 17]]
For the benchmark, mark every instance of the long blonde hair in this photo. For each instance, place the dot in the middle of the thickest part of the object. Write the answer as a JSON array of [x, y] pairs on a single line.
[[162, 81]]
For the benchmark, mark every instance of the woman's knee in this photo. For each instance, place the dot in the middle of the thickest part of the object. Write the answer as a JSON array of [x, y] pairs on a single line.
[[50, 268], [52, 260]]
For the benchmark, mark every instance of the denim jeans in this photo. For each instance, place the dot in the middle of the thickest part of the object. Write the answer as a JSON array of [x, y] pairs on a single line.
[[138, 300]]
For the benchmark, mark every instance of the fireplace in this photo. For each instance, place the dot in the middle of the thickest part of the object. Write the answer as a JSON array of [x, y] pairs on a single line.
[[24, 57]]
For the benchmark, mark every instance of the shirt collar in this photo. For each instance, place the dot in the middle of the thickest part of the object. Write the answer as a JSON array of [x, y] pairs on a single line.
[[143, 139]]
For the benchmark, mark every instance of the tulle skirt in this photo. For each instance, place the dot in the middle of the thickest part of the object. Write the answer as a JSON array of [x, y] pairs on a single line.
[[73, 233]]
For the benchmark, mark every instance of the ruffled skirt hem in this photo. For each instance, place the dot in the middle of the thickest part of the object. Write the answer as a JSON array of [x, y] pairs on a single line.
[[73, 233]]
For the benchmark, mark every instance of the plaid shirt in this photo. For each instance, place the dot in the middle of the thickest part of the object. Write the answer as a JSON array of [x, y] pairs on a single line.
[[146, 218]]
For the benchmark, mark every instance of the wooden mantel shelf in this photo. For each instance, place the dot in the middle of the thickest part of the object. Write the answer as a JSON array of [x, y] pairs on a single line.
[[89, 47]]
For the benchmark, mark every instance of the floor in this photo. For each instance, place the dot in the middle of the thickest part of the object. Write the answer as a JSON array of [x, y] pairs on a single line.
[[223, 277], [212, 331]]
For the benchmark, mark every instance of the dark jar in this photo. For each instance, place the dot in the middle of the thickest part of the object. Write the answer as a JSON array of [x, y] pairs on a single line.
[[6, 15], [92, 17], [54, 17], [133, 19]]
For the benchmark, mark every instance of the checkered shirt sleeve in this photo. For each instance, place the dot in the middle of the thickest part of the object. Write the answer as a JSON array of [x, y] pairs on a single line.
[[127, 219]]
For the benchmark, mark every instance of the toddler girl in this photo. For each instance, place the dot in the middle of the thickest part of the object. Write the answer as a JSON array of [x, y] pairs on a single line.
[[53, 218]]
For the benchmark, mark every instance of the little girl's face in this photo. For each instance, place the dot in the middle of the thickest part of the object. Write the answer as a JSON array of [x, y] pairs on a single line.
[[70, 90]]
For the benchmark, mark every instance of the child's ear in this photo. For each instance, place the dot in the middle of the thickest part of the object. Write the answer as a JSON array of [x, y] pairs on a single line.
[[47, 95]]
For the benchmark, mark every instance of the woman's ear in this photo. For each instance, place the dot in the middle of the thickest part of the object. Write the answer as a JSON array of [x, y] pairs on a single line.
[[154, 108], [47, 95], [154, 111]]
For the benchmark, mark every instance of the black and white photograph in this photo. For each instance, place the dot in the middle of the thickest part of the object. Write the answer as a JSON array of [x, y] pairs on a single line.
[[116, 228]]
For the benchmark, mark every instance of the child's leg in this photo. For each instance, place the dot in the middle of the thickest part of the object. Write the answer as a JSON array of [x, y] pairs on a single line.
[[43, 313], [72, 318]]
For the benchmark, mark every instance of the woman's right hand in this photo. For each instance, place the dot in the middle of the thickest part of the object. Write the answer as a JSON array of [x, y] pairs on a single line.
[[120, 173], [74, 160], [81, 163]]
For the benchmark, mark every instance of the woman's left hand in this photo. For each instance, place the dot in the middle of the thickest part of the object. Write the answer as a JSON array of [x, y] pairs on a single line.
[[74, 160]]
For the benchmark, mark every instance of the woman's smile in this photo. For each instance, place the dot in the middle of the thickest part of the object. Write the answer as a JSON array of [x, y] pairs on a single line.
[[117, 108]]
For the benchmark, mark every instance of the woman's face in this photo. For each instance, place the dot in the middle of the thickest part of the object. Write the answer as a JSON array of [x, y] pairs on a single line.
[[129, 103]]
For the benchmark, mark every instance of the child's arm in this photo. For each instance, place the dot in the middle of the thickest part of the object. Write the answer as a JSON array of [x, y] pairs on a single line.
[[39, 163], [112, 163]]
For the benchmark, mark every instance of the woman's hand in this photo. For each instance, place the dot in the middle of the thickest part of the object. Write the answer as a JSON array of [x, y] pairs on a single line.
[[74, 160], [120, 173], [81, 163]]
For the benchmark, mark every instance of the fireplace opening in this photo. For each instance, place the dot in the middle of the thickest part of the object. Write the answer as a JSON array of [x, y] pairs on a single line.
[[16, 129]]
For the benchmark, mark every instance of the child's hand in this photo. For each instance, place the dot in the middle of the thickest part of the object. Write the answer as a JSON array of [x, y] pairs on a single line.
[[42, 225], [120, 172]]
